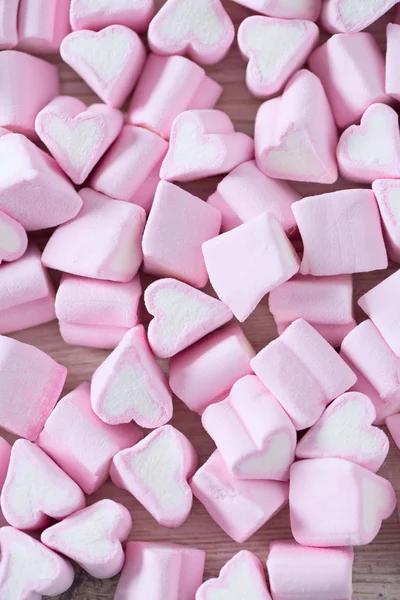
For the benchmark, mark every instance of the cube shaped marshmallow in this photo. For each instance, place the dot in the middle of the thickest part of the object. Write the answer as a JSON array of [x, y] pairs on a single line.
[[387, 194], [302, 354], [42, 25], [8, 24], [136, 14], [392, 52], [80, 443], [393, 424], [348, 16], [13, 239], [341, 233], [285, 9]]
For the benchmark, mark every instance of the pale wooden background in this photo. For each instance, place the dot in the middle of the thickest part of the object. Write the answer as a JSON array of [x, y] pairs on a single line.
[[377, 566]]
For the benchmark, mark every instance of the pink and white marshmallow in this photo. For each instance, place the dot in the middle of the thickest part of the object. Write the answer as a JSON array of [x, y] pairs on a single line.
[[42, 25], [393, 424], [76, 135], [387, 194], [13, 239], [297, 145], [5, 453], [156, 472], [243, 268], [136, 14], [8, 24], [392, 52], [285, 9], [110, 61], [348, 16]]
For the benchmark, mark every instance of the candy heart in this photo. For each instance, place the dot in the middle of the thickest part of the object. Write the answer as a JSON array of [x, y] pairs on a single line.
[[13, 239], [345, 431], [204, 143], [156, 472], [275, 49], [201, 29], [92, 537], [77, 136], [371, 150], [96, 14], [285, 9], [110, 61], [348, 16], [182, 316]]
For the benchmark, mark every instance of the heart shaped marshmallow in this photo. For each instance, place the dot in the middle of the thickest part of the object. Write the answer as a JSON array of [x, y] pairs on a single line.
[[13, 239], [349, 16]]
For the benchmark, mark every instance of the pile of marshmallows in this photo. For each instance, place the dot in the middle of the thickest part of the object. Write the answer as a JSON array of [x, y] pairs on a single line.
[[131, 215]]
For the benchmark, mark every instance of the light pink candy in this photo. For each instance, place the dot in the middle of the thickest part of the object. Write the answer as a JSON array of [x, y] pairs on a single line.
[[297, 145], [5, 453], [392, 52], [80, 443], [393, 424], [91, 336], [156, 472], [8, 24], [350, 16], [387, 194], [285, 9], [13, 239], [76, 135], [112, 251], [136, 14], [302, 354], [243, 268], [178, 224], [93, 537], [182, 316], [110, 61], [42, 25]]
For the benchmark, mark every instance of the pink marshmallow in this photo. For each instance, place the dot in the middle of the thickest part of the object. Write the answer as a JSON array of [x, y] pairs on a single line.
[[341, 233], [156, 472], [93, 537], [387, 194], [168, 86], [285, 9], [325, 302], [42, 25], [205, 372], [130, 169], [297, 145], [302, 354], [76, 135], [130, 385], [112, 251], [309, 573], [8, 24], [240, 508], [246, 193], [203, 30], [178, 224], [334, 502], [155, 570], [29, 570], [110, 61], [13, 239], [91, 336], [5, 453], [204, 143], [393, 424], [36, 489], [349, 16], [392, 52], [241, 577], [352, 70], [182, 316], [136, 14], [274, 49], [345, 431], [254, 435], [80, 443], [243, 268]]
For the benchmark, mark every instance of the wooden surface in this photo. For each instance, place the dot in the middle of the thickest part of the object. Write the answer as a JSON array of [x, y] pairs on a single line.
[[377, 566]]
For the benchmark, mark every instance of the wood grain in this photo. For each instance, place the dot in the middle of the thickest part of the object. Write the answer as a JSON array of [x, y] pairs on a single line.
[[377, 566]]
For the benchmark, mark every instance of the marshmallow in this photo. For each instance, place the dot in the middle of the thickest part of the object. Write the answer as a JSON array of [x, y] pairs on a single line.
[[204, 143], [352, 71], [275, 49], [387, 194], [392, 52], [393, 424], [112, 251], [5, 453], [136, 14], [110, 61], [318, 572], [325, 302], [334, 502], [80, 443], [203, 30], [8, 24], [302, 354], [168, 86], [13, 239], [241, 577], [42, 25], [33, 190], [345, 431], [297, 145], [243, 268], [205, 372], [254, 435], [182, 316], [240, 508], [92, 312], [26, 293], [92, 537], [77, 136], [156, 473], [21, 97], [130, 169], [341, 233], [350, 16], [130, 385], [246, 193], [36, 489], [29, 570], [178, 224], [285, 9], [158, 570]]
